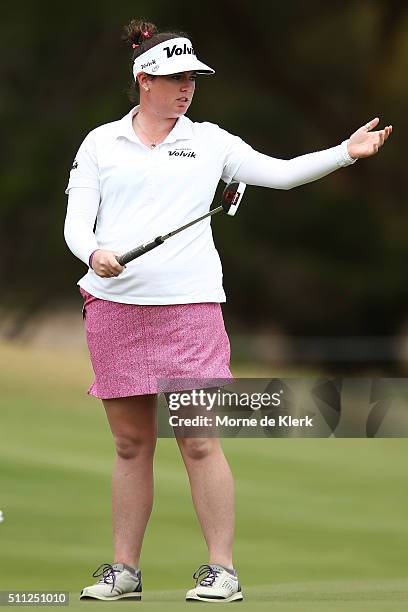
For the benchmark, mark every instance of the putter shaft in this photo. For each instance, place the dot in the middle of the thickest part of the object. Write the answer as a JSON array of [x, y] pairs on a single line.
[[148, 246]]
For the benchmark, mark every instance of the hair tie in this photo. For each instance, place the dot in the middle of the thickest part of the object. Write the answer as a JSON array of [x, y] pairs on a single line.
[[146, 34], [134, 46]]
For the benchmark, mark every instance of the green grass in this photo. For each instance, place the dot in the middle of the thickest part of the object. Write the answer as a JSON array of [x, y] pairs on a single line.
[[321, 523]]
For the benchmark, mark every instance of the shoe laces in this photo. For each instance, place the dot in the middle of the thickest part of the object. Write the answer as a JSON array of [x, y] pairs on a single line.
[[212, 574], [107, 574]]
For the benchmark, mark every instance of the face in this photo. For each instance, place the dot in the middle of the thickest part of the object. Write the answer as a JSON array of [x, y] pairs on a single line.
[[170, 95]]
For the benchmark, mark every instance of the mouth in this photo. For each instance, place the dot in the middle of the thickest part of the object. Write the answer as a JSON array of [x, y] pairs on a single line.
[[183, 99]]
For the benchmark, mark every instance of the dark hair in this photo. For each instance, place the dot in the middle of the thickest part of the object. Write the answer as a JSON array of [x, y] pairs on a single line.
[[144, 34]]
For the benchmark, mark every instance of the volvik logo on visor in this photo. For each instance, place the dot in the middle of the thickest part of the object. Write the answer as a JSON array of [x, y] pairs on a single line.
[[175, 50], [171, 56], [151, 63]]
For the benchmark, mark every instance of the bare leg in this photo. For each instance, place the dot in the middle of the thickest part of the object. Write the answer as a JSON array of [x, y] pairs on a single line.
[[212, 490], [133, 424]]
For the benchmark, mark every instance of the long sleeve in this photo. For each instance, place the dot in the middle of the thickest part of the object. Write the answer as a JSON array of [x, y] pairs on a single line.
[[83, 204], [265, 171]]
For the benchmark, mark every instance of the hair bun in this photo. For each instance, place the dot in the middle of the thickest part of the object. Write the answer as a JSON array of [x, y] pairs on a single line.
[[137, 31]]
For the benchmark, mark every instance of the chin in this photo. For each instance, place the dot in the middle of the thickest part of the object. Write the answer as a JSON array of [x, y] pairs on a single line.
[[176, 115], [183, 111]]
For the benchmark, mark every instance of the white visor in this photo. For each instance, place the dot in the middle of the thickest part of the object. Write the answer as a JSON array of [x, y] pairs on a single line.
[[170, 57]]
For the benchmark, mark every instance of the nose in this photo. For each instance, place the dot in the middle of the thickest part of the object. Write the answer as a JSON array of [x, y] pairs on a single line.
[[187, 85]]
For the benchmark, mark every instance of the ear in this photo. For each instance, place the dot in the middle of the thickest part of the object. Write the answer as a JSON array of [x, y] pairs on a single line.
[[142, 79]]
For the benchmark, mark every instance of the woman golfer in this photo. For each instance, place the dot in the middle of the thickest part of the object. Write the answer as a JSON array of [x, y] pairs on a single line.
[[159, 317]]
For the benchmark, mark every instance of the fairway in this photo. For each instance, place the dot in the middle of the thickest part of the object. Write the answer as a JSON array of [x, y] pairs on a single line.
[[321, 523], [328, 596]]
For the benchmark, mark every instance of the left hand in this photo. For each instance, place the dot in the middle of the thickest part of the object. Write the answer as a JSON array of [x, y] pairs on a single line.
[[364, 143]]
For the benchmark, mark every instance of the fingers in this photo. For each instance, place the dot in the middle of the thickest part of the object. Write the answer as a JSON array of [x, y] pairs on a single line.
[[372, 124], [106, 265], [387, 131], [113, 266], [365, 142], [382, 135]]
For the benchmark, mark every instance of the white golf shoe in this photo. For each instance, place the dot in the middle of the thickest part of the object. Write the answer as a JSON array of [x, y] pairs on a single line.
[[218, 585], [117, 581]]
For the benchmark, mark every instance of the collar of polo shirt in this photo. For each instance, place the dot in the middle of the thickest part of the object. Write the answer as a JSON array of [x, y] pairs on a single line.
[[183, 129], [170, 57]]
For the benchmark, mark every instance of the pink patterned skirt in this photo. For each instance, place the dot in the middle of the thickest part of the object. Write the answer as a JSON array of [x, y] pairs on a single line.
[[134, 347]]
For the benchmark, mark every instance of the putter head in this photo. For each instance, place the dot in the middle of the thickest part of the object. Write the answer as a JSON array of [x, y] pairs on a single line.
[[232, 196]]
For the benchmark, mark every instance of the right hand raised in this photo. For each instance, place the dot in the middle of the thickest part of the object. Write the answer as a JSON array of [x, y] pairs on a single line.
[[105, 264]]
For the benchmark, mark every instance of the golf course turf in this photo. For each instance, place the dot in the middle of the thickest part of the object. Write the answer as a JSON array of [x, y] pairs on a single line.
[[321, 523]]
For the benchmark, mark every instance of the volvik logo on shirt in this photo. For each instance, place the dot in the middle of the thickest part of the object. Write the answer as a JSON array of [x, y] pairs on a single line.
[[176, 50], [182, 153]]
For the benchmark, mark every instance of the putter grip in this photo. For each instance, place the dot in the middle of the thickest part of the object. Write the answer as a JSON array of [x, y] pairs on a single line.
[[140, 250]]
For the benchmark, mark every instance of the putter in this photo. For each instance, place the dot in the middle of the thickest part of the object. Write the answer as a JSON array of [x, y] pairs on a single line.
[[231, 199]]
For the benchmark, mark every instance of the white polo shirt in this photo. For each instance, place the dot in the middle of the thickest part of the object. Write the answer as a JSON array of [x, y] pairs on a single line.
[[144, 193]]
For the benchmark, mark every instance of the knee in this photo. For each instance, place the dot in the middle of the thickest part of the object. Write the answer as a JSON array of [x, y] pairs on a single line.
[[197, 448], [128, 447]]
